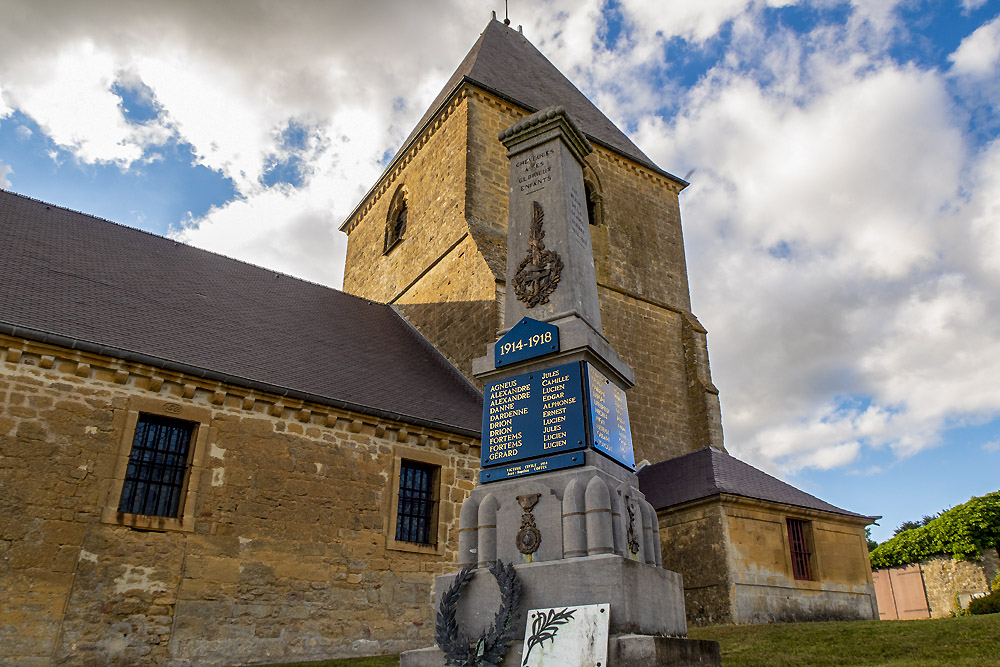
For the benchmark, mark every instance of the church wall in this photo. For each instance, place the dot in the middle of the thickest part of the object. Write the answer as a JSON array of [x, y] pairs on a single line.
[[454, 306], [433, 174], [649, 339], [285, 548]]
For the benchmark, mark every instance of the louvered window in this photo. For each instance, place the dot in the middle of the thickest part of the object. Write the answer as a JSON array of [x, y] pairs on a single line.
[[799, 546], [157, 467], [416, 511]]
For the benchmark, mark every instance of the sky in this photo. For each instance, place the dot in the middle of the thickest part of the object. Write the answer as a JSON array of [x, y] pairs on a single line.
[[842, 226]]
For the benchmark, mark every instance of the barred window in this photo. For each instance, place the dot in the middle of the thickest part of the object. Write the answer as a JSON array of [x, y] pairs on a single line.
[[157, 467], [799, 547], [416, 512]]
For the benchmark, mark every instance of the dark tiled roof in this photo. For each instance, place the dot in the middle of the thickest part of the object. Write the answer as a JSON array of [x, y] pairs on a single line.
[[504, 62], [86, 279], [709, 472]]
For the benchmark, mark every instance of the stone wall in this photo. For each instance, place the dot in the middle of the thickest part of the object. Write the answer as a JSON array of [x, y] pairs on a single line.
[[447, 277], [693, 541], [285, 548], [734, 556], [951, 583]]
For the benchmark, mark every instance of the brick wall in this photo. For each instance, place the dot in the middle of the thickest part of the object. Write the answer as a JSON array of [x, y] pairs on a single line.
[[283, 552]]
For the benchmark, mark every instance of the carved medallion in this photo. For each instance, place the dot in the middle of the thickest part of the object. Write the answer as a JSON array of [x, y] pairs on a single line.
[[528, 538], [537, 275]]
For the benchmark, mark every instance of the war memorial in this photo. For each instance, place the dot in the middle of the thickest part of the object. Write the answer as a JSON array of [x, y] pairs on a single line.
[[558, 496]]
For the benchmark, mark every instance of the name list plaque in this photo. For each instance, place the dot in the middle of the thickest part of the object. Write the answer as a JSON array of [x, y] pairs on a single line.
[[530, 416], [609, 427]]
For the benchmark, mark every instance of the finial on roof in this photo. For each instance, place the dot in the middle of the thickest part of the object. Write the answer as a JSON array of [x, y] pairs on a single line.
[[506, 13], [494, 12]]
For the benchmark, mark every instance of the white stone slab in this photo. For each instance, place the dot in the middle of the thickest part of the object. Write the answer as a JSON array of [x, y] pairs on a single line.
[[567, 637]]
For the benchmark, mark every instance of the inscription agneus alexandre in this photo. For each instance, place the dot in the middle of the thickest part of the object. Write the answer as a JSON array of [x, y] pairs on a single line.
[[537, 276]]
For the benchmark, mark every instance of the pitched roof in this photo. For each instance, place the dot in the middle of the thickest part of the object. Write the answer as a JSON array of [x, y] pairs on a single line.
[[709, 472], [66, 275], [505, 63]]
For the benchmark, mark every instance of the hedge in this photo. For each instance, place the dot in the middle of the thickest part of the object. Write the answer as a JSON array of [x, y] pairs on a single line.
[[961, 532]]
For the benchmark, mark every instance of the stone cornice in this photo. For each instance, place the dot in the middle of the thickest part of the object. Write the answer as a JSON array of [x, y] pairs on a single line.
[[29, 356]]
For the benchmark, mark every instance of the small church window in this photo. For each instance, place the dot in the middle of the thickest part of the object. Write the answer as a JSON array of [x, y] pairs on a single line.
[[157, 467], [395, 225], [799, 547], [416, 512], [595, 203]]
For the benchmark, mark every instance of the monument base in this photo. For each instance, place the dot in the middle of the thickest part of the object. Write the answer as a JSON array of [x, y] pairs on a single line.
[[623, 651], [644, 599]]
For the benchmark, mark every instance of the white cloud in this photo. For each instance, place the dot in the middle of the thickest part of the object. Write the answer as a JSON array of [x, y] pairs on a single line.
[[69, 95], [979, 54], [993, 446], [5, 171]]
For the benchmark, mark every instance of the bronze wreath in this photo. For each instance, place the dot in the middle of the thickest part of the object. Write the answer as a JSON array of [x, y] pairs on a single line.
[[491, 646]]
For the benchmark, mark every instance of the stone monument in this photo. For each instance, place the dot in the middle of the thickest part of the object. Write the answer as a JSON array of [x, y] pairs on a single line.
[[558, 495]]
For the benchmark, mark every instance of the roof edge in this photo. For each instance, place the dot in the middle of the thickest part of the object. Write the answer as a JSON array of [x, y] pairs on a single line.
[[218, 376], [724, 495], [466, 79]]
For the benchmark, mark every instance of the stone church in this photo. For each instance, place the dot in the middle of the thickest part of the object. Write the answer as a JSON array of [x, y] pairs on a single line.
[[206, 462]]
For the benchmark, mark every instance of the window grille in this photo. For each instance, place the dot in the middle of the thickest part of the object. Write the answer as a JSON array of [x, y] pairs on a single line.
[[157, 467], [799, 548], [416, 509]]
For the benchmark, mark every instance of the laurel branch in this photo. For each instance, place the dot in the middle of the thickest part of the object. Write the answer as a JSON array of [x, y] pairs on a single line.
[[489, 648]]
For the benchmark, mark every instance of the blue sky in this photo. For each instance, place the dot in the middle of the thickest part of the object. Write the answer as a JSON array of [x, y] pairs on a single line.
[[841, 223]]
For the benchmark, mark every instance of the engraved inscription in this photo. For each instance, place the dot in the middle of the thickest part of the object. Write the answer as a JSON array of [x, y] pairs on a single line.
[[507, 401], [534, 171], [577, 219]]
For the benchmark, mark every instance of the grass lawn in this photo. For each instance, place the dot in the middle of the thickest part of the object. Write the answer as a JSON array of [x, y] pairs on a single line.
[[967, 640], [963, 641]]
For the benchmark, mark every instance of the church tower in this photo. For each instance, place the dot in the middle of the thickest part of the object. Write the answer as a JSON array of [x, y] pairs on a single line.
[[429, 238]]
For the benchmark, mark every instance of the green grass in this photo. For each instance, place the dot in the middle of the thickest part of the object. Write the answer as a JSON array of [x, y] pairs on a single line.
[[963, 641], [967, 640]]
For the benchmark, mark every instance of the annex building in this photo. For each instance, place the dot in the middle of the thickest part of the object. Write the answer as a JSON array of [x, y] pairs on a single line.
[[206, 462]]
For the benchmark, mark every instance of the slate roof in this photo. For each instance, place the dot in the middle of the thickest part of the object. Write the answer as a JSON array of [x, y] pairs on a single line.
[[710, 472], [505, 63], [79, 280]]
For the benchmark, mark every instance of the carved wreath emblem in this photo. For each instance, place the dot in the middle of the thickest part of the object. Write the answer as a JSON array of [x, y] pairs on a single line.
[[537, 275], [489, 649]]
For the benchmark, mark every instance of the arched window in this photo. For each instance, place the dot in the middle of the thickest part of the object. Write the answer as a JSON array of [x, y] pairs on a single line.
[[395, 224], [595, 202]]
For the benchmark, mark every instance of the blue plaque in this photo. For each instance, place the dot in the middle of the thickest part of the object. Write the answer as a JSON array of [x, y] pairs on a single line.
[[533, 415], [609, 428], [526, 340], [532, 467]]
